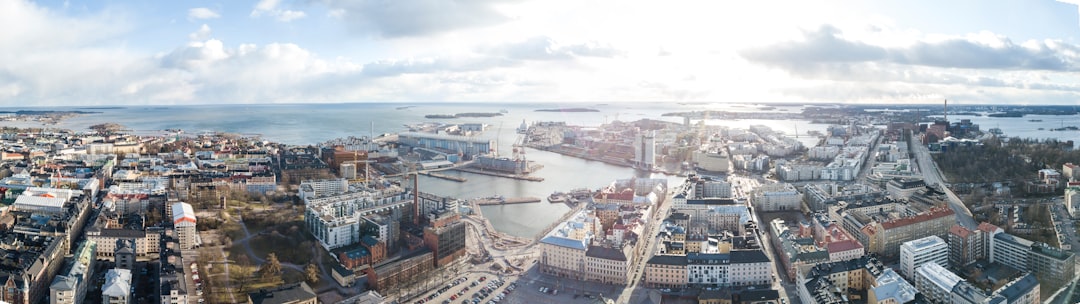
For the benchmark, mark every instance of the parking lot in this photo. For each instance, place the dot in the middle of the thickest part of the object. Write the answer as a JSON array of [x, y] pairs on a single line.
[[473, 288]]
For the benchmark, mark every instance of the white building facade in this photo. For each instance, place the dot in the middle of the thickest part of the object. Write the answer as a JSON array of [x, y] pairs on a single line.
[[921, 251]]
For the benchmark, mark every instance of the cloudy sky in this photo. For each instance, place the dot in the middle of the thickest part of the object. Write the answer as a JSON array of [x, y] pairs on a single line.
[[281, 51]]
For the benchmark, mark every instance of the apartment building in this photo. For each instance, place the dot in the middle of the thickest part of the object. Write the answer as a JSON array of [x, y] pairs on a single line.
[[935, 282], [885, 237], [1072, 200], [607, 264], [117, 288], [1052, 266], [666, 271], [336, 219], [931, 249], [776, 197], [70, 286], [184, 223], [838, 282]]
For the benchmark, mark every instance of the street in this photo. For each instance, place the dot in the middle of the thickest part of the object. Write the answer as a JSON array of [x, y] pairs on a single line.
[[932, 176]]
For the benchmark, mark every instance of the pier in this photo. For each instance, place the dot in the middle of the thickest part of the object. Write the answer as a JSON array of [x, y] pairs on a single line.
[[505, 201], [506, 175], [444, 176]]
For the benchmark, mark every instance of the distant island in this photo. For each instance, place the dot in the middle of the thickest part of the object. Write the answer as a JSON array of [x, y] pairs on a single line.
[[568, 110], [101, 108], [37, 112], [447, 116]]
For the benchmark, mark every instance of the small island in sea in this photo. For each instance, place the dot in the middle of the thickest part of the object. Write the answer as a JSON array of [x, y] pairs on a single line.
[[447, 116], [568, 110]]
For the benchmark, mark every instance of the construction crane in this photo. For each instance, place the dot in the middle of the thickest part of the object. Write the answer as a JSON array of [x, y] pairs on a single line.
[[519, 148]]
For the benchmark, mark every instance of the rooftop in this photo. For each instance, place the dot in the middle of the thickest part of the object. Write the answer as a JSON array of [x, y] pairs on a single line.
[[285, 294], [607, 253], [1019, 287], [891, 286], [924, 243], [938, 275], [678, 260]]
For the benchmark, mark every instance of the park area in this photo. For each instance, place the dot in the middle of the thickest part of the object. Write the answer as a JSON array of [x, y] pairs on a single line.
[[251, 246]]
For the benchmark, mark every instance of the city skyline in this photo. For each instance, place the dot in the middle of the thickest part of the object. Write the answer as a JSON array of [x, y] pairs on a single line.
[[207, 52]]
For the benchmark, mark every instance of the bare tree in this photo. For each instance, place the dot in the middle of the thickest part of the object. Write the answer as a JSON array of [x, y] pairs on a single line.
[[312, 273]]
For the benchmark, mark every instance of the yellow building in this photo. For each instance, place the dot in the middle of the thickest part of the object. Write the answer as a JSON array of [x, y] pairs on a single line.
[[666, 271]]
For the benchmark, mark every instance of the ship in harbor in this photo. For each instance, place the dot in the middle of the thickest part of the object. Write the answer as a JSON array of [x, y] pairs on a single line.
[[571, 198], [557, 197]]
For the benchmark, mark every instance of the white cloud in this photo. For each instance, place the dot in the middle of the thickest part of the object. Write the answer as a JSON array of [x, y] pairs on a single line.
[[271, 8], [201, 34], [416, 18], [501, 50], [202, 13]]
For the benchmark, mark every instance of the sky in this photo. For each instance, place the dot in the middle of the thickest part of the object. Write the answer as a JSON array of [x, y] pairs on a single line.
[[113, 52]]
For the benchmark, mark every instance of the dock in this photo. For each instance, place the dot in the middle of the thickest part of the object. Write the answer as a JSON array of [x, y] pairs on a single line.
[[499, 174], [444, 176], [505, 201]]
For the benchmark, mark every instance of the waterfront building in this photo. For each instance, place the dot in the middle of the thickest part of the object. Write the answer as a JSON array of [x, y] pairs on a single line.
[[70, 286], [935, 282], [184, 222], [469, 147], [931, 249], [299, 293], [776, 197], [645, 149], [117, 288]]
